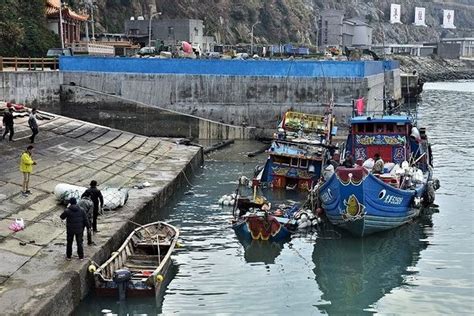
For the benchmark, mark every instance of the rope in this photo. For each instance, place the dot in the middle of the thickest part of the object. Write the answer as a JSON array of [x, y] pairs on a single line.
[[187, 180]]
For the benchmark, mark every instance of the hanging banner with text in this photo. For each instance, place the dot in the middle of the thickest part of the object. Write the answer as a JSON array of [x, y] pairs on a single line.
[[448, 19], [395, 13], [419, 16]]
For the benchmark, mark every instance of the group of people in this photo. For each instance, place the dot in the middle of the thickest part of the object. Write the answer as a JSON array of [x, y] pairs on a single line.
[[81, 215], [378, 163], [8, 122], [78, 215]]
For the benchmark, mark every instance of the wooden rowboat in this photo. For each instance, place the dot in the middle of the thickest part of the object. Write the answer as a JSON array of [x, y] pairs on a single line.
[[139, 266]]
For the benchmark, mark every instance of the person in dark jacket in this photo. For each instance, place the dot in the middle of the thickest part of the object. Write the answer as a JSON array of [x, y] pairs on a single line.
[[8, 122], [86, 204], [97, 199], [76, 220], [33, 124]]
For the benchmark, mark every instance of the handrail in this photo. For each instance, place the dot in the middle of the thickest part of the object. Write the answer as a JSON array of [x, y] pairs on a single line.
[[29, 63]]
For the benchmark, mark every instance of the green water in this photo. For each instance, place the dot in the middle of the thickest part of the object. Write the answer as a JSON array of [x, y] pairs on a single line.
[[425, 267]]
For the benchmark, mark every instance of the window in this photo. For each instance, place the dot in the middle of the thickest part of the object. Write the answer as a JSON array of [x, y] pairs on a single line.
[[196, 31], [294, 162], [379, 128], [281, 160], [303, 163], [369, 128]]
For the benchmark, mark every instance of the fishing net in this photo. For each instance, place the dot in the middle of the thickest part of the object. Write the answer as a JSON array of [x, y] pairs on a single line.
[[113, 197]]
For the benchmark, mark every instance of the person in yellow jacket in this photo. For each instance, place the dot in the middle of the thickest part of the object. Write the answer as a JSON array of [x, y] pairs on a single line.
[[26, 166]]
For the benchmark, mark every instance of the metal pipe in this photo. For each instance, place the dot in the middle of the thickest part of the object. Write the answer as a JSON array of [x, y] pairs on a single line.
[[61, 23]]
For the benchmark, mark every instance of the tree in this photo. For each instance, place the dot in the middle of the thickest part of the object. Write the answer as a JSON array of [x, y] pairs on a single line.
[[23, 29]]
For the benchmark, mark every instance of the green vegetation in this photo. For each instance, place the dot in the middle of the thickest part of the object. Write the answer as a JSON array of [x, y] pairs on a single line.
[[23, 29]]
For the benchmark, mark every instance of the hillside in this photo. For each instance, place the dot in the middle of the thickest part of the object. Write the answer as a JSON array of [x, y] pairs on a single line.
[[293, 20]]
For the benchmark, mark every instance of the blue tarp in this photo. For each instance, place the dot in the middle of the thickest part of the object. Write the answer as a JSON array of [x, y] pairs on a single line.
[[278, 68]]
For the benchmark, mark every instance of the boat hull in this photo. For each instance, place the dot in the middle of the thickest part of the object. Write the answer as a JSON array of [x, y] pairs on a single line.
[[134, 289], [362, 204], [257, 227]]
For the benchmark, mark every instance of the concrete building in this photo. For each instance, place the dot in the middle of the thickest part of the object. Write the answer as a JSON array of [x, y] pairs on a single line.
[[335, 31], [360, 33], [466, 45], [171, 32], [330, 26], [420, 50]]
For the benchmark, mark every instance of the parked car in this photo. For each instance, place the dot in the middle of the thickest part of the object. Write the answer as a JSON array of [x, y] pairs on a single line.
[[147, 51], [56, 52]]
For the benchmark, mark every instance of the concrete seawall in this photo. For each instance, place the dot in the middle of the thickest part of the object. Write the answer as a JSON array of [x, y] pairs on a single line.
[[35, 278], [30, 87], [252, 101], [136, 117]]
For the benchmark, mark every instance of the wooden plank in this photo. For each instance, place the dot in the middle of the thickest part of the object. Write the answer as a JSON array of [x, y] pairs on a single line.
[[135, 266]]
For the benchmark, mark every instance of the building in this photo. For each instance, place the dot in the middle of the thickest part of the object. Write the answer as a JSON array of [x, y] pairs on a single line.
[[171, 32], [330, 26], [465, 45], [420, 50], [357, 33], [336, 31], [71, 21]]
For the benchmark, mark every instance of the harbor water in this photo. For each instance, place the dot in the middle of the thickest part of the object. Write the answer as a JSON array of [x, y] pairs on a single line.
[[425, 267]]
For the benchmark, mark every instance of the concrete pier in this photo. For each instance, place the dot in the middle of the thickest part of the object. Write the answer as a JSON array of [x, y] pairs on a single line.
[[35, 278]]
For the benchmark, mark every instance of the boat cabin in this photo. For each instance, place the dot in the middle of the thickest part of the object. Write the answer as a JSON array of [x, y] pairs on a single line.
[[388, 136]]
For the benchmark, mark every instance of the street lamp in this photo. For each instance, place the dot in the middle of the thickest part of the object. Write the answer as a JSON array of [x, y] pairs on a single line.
[[251, 45], [149, 27]]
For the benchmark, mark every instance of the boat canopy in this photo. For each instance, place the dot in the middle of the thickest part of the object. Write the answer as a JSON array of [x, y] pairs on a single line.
[[403, 119]]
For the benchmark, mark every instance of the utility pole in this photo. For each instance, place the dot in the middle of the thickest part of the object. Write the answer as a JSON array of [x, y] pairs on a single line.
[[92, 22], [149, 27], [61, 23], [251, 45]]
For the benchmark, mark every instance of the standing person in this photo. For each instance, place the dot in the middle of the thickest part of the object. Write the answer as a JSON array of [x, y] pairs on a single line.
[[86, 204], [378, 166], [348, 161], [76, 220], [8, 122], [26, 166], [96, 197], [33, 125]]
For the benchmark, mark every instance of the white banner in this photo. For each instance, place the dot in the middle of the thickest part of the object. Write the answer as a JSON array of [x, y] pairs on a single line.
[[395, 13], [419, 16], [448, 19]]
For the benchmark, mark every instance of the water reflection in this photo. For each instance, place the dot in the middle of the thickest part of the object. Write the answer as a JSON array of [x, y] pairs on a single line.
[[354, 273], [261, 250]]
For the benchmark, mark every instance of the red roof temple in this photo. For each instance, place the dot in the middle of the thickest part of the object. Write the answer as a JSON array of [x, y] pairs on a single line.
[[71, 21]]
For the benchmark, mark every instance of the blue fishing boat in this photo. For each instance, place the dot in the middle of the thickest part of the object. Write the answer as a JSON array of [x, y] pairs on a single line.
[[297, 151], [369, 196]]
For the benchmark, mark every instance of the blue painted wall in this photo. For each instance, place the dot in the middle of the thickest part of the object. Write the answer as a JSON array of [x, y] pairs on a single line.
[[278, 68], [391, 64]]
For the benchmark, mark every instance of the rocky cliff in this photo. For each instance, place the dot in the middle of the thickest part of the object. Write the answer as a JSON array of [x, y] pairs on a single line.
[[437, 69], [293, 20]]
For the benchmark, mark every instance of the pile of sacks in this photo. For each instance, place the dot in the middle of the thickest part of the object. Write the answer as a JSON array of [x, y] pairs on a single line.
[[227, 200], [306, 218], [113, 197]]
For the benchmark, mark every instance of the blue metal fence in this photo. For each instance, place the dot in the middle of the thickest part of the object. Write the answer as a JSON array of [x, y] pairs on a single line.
[[279, 68]]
